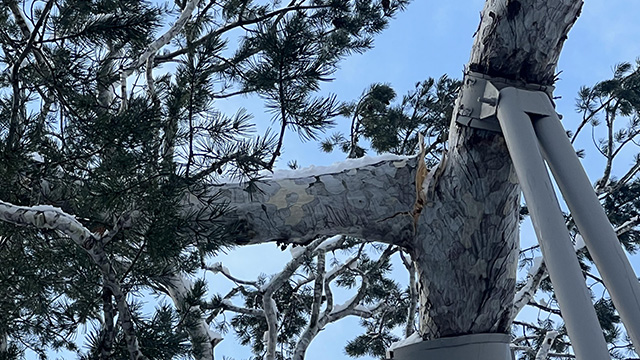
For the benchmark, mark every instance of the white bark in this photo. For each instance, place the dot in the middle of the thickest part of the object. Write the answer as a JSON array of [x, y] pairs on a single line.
[[464, 241], [373, 202], [413, 296], [543, 352], [219, 268], [123, 92], [51, 218], [469, 236], [147, 57], [335, 313], [163, 40], [271, 315], [202, 338], [269, 306], [536, 274]]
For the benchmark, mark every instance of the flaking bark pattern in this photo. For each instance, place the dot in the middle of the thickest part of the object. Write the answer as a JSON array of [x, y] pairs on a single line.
[[522, 39], [467, 242], [373, 202], [466, 246], [465, 239]]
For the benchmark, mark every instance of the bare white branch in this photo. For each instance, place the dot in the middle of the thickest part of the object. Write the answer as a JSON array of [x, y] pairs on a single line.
[[543, 352], [166, 37], [220, 268], [202, 337], [52, 218]]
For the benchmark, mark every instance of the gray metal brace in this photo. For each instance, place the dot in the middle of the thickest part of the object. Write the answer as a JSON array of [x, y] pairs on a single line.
[[479, 96]]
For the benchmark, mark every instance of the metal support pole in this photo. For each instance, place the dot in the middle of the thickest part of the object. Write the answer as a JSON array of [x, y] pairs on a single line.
[[569, 285], [592, 222]]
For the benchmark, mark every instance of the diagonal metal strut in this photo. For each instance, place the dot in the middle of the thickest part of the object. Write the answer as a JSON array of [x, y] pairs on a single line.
[[532, 130]]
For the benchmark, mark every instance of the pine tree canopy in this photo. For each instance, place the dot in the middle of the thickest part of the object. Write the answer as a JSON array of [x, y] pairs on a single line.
[[108, 114], [113, 146]]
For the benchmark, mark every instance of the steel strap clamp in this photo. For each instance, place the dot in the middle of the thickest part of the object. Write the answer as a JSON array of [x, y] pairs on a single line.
[[479, 96]]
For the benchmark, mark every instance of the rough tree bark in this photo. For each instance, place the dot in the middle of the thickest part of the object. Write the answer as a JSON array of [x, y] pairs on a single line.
[[460, 221]]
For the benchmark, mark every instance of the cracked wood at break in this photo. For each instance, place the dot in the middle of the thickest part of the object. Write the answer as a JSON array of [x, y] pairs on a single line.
[[373, 202], [466, 246], [465, 239]]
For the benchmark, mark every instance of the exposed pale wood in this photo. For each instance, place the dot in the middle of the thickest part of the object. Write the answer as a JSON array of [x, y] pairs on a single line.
[[465, 240], [466, 248]]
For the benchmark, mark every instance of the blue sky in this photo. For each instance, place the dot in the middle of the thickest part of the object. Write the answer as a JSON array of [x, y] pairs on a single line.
[[429, 39]]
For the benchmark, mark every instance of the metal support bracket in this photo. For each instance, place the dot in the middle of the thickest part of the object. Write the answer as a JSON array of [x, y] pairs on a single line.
[[479, 98]]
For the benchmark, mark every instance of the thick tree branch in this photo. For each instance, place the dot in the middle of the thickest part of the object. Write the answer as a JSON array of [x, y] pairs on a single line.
[[372, 201], [163, 40], [468, 234], [522, 39]]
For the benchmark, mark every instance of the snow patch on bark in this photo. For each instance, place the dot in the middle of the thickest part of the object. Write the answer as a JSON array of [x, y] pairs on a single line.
[[330, 242], [36, 157], [297, 250], [338, 308], [334, 168], [413, 339], [218, 267], [579, 243]]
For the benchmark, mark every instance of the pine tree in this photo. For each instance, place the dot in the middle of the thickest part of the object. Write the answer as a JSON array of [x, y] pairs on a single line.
[[427, 110], [111, 142], [458, 219], [109, 134]]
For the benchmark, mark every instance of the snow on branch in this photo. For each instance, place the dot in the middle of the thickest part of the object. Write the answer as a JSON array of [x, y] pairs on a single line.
[[220, 268], [628, 225], [163, 40], [413, 339], [536, 274], [47, 217], [372, 202], [147, 57]]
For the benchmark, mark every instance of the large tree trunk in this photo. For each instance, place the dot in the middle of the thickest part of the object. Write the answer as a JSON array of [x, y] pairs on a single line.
[[465, 238], [467, 244]]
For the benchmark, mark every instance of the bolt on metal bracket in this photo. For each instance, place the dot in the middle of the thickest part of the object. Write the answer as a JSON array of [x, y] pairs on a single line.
[[479, 98]]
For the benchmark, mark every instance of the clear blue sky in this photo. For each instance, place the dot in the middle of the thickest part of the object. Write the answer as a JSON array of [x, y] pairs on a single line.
[[432, 38]]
